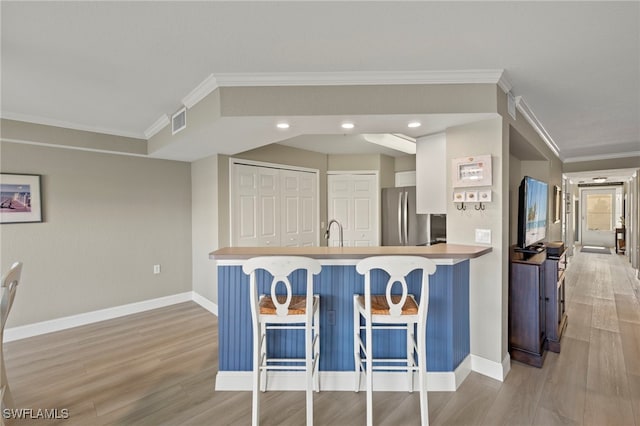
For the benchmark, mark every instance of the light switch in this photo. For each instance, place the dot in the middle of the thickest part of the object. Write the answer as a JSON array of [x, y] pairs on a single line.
[[483, 236]]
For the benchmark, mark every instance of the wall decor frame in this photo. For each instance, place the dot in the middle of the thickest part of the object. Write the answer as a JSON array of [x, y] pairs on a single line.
[[471, 171], [20, 198], [557, 203]]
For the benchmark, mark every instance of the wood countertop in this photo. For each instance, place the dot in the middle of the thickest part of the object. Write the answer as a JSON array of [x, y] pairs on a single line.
[[438, 251]]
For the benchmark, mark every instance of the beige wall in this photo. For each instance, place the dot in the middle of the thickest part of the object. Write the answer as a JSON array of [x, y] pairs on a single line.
[[41, 134], [107, 220], [610, 164], [488, 273], [383, 164], [405, 163], [204, 219], [338, 100]]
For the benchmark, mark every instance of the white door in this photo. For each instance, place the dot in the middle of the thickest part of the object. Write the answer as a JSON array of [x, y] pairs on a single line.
[[256, 212], [273, 207], [353, 200], [299, 208], [597, 217]]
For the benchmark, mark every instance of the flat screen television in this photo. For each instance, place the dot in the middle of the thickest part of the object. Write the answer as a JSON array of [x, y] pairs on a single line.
[[532, 214]]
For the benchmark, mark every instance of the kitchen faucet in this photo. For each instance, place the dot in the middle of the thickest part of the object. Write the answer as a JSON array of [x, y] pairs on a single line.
[[327, 232]]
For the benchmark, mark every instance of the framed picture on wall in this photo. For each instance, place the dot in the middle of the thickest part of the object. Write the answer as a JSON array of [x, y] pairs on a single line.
[[557, 203], [471, 171], [20, 198]]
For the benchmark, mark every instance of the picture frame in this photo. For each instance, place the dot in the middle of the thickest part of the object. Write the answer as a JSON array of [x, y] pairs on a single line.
[[20, 198], [557, 203], [471, 171]]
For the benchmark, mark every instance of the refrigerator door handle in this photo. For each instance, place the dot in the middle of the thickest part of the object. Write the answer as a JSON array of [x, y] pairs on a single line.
[[400, 218], [406, 218]]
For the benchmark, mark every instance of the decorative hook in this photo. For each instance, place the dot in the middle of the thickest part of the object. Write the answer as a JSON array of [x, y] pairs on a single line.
[[480, 206], [461, 206]]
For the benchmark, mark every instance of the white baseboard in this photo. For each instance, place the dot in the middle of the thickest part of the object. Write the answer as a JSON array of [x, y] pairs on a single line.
[[344, 380], [58, 324], [205, 303], [491, 369]]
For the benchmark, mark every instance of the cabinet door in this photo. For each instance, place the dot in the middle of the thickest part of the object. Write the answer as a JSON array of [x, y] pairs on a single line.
[[526, 307]]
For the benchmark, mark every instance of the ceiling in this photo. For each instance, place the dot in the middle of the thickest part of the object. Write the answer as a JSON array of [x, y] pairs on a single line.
[[116, 67]]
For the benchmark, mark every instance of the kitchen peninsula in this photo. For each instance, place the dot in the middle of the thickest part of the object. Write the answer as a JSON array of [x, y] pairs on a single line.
[[448, 344]]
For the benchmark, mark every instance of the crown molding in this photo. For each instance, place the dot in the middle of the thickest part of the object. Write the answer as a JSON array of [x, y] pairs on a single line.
[[597, 157], [207, 86], [531, 118], [8, 115], [361, 78], [504, 83], [160, 124]]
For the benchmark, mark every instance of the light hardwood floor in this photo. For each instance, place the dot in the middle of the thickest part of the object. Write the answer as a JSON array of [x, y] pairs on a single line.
[[158, 368]]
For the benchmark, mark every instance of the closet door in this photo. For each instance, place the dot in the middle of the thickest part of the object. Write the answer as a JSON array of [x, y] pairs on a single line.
[[269, 218], [273, 207], [256, 207], [299, 208]]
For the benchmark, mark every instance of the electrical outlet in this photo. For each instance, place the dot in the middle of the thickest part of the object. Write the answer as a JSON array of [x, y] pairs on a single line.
[[483, 236], [331, 317], [156, 269]]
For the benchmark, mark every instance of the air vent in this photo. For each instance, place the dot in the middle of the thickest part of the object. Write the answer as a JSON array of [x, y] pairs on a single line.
[[179, 120]]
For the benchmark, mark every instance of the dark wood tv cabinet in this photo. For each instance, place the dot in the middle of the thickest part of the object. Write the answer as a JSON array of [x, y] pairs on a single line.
[[527, 313], [537, 317]]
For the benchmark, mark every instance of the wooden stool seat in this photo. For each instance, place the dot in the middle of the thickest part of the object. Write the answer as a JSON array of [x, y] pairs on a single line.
[[380, 305], [296, 307]]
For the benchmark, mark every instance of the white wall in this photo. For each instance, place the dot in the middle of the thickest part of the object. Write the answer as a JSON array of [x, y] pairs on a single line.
[[204, 219]]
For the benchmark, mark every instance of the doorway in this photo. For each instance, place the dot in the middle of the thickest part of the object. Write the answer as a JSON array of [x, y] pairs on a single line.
[[598, 217], [353, 200]]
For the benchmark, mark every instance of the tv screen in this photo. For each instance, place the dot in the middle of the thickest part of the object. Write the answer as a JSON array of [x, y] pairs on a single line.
[[532, 212]]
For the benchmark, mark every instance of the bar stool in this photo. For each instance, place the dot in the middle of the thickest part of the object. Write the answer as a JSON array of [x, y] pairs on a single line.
[[282, 310], [397, 311], [9, 285]]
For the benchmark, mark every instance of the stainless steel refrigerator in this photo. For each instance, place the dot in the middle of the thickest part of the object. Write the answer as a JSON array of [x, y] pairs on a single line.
[[401, 226]]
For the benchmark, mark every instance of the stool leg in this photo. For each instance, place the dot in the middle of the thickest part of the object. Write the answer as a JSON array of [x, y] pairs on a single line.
[[357, 362], [369, 370], [309, 370], [316, 353], [263, 357], [255, 400], [422, 375], [410, 359], [7, 398]]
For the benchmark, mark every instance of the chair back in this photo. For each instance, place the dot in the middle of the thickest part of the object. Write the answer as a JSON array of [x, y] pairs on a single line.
[[9, 286], [280, 267], [398, 267]]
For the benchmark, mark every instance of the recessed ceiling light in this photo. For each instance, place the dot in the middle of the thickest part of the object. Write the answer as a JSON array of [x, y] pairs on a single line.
[[414, 124], [348, 125], [283, 125], [599, 179]]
